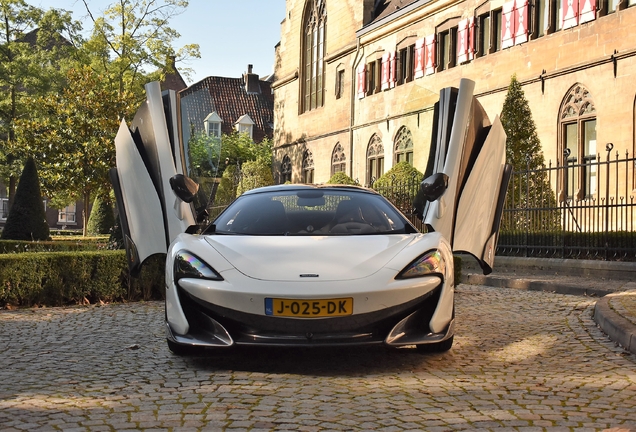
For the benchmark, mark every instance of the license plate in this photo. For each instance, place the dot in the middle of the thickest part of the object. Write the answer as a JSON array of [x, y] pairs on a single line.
[[303, 308]]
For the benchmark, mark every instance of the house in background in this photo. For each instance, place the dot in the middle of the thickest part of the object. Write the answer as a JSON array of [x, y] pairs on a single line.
[[219, 105]]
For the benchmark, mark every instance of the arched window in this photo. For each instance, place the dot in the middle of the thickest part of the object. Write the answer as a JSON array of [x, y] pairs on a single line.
[[404, 146], [286, 170], [308, 167], [577, 143], [375, 159], [338, 159], [313, 54]]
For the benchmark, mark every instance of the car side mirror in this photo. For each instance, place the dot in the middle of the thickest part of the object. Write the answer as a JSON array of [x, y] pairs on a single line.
[[431, 188], [434, 186], [184, 187]]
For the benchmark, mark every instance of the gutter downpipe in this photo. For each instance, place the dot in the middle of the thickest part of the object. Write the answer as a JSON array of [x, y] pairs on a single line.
[[354, 87]]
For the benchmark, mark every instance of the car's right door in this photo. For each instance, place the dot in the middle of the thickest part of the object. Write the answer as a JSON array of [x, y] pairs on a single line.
[[469, 154]]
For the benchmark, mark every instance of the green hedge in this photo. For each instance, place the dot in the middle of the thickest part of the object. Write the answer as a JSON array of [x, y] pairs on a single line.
[[63, 278], [70, 245]]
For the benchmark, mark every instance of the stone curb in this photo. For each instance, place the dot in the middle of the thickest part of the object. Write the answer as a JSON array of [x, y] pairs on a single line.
[[533, 285], [618, 328]]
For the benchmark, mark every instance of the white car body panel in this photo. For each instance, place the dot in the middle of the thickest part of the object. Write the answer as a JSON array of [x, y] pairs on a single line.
[[155, 215], [441, 215], [178, 214], [331, 258], [143, 208], [467, 213], [477, 204]]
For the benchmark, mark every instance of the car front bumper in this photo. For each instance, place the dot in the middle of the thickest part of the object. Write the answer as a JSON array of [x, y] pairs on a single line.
[[408, 323]]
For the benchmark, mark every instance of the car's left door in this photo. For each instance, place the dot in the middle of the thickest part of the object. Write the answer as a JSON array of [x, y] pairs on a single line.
[[151, 215]]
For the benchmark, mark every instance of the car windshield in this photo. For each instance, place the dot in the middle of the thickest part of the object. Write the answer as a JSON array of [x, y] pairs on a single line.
[[312, 212]]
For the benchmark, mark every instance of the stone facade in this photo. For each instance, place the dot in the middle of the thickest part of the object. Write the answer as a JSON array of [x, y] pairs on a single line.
[[597, 56]]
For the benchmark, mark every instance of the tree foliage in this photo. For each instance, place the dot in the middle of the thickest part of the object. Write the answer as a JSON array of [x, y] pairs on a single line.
[[209, 156], [27, 218], [71, 135], [254, 174], [530, 188], [35, 48], [102, 218], [226, 192], [400, 185], [402, 172], [131, 43], [342, 178]]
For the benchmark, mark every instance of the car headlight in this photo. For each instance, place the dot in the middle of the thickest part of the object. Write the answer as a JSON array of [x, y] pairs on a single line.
[[188, 265], [431, 263]]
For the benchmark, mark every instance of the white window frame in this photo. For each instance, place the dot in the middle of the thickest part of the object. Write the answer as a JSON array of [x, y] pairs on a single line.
[[63, 215], [212, 124], [4, 209], [245, 124]]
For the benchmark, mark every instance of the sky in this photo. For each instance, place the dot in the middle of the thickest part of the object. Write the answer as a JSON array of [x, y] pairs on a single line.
[[231, 33]]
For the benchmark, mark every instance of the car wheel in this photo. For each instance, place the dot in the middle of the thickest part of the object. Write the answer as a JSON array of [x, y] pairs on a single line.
[[438, 347], [183, 350]]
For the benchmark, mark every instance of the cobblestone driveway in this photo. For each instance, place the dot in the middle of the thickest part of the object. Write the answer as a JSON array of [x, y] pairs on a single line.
[[521, 360]]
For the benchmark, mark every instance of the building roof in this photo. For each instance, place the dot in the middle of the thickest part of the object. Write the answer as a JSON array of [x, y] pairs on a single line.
[[384, 8], [231, 100], [173, 79]]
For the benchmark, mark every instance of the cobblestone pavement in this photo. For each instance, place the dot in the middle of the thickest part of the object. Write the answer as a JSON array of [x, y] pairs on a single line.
[[522, 360]]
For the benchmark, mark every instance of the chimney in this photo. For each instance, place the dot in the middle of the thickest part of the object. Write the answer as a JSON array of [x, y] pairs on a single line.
[[252, 84]]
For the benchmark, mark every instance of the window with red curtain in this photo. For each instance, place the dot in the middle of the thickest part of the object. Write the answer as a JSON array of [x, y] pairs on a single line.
[[430, 54], [362, 81], [419, 58], [570, 10]]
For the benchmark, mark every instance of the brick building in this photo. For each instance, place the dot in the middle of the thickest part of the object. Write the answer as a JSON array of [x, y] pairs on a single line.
[[357, 79]]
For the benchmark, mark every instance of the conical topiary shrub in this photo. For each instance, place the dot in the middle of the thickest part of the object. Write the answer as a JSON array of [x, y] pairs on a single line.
[[531, 189], [102, 218], [27, 219]]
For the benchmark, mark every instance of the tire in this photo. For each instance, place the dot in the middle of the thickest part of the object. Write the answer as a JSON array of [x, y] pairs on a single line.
[[438, 347], [183, 350]]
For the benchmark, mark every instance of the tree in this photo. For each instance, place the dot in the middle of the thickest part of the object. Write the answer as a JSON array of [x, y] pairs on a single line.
[[255, 174], [400, 185], [131, 44], [235, 148], [342, 178], [102, 218], [71, 135], [27, 218], [530, 188], [227, 186], [210, 158], [35, 46]]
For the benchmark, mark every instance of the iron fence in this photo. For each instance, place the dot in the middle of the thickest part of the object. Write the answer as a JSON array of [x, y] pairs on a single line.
[[576, 210], [402, 194]]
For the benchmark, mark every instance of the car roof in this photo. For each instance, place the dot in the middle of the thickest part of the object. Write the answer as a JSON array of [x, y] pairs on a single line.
[[301, 186]]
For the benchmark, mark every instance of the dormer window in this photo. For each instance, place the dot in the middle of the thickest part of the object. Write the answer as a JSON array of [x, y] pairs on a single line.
[[212, 125], [245, 124]]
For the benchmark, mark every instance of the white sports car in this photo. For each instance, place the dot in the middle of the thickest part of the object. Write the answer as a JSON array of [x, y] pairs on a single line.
[[313, 265]]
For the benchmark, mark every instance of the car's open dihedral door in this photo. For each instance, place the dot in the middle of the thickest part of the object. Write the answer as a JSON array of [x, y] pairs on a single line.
[[472, 154], [147, 156]]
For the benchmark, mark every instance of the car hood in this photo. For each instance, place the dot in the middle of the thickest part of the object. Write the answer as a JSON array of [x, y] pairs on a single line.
[[292, 258]]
